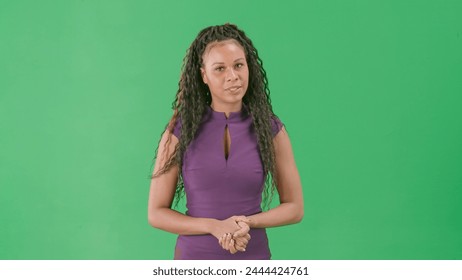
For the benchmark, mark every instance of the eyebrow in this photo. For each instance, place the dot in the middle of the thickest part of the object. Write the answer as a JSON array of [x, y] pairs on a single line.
[[241, 58]]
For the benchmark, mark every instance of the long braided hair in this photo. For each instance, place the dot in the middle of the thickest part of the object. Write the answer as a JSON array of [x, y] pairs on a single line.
[[193, 96]]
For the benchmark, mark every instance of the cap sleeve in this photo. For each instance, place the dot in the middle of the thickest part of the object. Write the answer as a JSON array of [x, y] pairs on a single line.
[[276, 125], [177, 128]]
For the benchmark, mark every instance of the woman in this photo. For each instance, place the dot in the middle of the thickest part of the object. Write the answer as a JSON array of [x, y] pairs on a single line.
[[224, 148]]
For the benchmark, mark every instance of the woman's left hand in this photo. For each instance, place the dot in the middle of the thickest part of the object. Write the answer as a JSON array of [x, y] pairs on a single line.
[[237, 241]]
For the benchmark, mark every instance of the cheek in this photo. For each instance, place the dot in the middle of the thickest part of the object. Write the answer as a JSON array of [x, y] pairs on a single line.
[[246, 77], [245, 73], [216, 80], [214, 85]]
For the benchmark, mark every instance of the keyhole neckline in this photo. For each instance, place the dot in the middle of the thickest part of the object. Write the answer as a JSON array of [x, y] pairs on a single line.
[[233, 116]]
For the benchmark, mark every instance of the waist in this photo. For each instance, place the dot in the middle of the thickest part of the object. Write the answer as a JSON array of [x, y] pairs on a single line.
[[206, 247], [221, 212]]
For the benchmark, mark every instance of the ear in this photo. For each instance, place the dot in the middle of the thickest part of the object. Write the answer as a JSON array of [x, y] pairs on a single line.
[[204, 77]]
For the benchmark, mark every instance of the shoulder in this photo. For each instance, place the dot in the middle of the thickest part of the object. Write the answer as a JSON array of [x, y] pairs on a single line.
[[276, 125], [177, 128]]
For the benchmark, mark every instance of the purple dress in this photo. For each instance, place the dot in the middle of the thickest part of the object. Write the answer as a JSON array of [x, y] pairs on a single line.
[[219, 188]]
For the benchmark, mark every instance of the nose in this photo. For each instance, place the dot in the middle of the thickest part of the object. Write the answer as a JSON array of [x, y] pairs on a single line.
[[231, 75]]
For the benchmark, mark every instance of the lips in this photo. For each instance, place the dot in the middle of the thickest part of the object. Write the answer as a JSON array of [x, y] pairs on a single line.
[[233, 88]]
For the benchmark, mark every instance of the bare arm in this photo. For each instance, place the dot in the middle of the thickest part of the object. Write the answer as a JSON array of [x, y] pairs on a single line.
[[161, 195], [289, 188]]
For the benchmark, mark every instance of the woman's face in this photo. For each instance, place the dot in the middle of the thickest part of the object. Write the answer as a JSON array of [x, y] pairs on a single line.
[[225, 72]]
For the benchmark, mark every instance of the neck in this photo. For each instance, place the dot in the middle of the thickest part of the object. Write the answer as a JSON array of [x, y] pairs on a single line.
[[226, 108]]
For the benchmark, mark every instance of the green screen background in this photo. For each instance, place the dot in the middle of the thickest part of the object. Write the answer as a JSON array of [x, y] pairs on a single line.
[[370, 92]]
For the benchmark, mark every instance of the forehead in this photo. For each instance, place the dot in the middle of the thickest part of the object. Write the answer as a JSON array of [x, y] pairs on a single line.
[[218, 49]]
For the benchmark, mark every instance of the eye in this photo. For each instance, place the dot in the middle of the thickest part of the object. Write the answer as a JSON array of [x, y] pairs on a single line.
[[220, 68], [239, 65]]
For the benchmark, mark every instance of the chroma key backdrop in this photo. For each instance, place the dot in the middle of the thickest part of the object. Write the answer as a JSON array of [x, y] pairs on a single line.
[[370, 93]]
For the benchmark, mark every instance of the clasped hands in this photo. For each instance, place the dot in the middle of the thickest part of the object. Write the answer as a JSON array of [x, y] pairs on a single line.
[[233, 233]]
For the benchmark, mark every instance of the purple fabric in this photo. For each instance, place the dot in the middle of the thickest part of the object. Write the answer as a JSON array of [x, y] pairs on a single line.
[[219, 188]]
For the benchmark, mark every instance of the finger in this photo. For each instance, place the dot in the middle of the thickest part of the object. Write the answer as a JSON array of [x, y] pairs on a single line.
[[220, 241], [242, 241], [231, 241], [241, 232], [225, 241], [240, 246], [232, 248], [244, 225], [228, 241]]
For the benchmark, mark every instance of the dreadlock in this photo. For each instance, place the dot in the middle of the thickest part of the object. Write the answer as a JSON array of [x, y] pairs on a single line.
[[193, 96]]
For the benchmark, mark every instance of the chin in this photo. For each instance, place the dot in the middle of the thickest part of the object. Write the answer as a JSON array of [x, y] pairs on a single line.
[[236, 99]]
